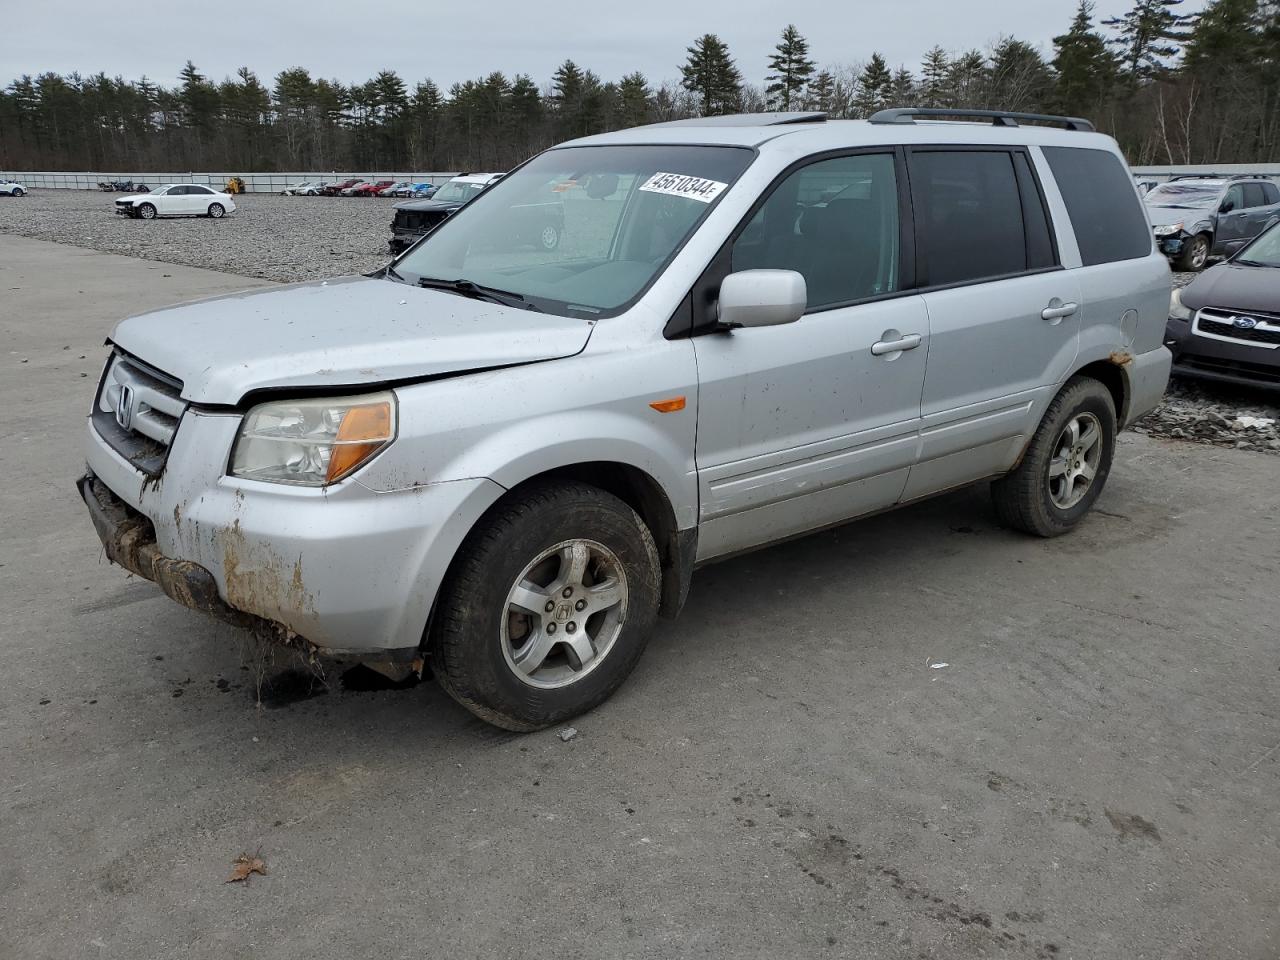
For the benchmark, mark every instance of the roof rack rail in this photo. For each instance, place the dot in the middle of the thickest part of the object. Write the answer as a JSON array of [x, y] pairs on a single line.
[[763, 119], [1222, 176], [998, 118]]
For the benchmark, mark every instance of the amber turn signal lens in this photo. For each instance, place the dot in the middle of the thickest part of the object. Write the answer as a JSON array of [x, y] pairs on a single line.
[[364, 430], [668, 406]]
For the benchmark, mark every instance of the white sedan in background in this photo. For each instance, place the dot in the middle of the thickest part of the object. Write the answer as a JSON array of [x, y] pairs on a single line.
[[11, 188], [304, 188], [177, 200]]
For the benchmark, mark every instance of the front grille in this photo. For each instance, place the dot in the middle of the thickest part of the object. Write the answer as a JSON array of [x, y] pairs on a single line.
[[1222, 323], [137, 412]]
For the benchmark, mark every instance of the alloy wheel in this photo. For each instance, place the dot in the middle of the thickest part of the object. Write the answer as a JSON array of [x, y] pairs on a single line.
[[563, 613], [1077, 454]]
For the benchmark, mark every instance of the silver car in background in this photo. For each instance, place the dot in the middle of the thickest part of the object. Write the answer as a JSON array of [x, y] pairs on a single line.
[[508, 460]]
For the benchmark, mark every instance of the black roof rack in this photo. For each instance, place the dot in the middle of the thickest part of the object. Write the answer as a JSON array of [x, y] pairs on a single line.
[[1221, 176], [998, 118], [748, 119]]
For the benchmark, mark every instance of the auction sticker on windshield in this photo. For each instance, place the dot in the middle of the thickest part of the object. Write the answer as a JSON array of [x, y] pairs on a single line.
[[677, 185]]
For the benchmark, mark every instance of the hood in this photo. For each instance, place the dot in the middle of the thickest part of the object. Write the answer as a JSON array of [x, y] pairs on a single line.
[[444, 206], [1233, 287], [1161, 215], [349, 332]]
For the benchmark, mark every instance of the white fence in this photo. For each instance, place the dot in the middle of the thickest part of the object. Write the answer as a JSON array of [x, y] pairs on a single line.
[[253, 182]]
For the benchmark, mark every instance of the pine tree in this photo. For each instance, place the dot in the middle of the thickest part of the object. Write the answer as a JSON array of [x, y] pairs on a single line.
[[821, 92], [935, 71], [1148, 37], [1083, 66], [634, 99], [710, 74], [902, 90], [874, 84], [790, 69]]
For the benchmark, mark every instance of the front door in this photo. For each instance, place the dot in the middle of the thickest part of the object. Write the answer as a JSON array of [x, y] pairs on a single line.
[[814, 422], [1004, 318]]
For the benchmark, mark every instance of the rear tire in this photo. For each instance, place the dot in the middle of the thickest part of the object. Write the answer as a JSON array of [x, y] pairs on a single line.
[[495, 646], [1195, 254], [216, 210], [1064, 467]]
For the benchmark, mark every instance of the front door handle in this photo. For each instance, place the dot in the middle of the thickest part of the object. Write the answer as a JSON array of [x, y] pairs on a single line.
[[908, 342], [1056, 310]]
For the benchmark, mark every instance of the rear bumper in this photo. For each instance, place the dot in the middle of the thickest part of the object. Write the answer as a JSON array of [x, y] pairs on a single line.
[[1220, 360], [1148, 377]]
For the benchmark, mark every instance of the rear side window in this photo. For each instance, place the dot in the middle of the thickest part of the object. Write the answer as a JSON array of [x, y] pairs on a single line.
[[1105, 211], [1253, 196], [968, 213]]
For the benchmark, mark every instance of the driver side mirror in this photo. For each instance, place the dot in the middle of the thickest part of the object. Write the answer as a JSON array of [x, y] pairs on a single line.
[[1227, 206], [762, 298]]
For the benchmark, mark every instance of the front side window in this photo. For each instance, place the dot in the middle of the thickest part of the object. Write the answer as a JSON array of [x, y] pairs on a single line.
[[1234, 200], [836, 223], [580, 231], [968, 215]]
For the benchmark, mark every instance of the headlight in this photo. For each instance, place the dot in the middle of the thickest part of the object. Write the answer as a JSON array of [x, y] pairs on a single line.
[[313, 442], [1176, 310], [1168, 229]]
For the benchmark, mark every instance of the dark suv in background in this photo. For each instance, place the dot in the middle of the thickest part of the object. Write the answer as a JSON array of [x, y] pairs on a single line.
[[416, 218], [1196, 218]]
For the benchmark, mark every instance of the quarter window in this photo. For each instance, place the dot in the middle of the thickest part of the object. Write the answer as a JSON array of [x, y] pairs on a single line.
[[1270, 194], [968, 212], [1104, 208], [836, 223]]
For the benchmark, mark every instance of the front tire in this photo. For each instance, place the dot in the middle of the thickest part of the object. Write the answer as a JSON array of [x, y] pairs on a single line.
[[147, 211], [1066, 464], [547, 607], [1195, 254], [19, 192], [217, 210]]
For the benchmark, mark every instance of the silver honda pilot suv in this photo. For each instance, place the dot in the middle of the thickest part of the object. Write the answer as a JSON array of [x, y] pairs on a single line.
[[506, 461]]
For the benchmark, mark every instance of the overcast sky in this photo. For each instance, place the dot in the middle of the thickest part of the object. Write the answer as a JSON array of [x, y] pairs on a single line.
[[457, 41]]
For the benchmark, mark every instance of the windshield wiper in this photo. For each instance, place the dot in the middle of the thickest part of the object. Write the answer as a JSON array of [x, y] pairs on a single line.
[[477, 291], [1251, 263]]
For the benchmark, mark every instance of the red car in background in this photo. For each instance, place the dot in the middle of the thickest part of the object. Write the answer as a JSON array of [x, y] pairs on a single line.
[[333, 189], [372, 188]]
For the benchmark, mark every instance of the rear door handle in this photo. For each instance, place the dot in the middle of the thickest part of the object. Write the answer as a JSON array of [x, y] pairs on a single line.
[[908, 342], [1056, 310]]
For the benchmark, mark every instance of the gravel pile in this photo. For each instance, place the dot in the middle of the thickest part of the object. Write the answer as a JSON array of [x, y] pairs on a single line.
[[305, 238], [1220, 415], [269, 236]]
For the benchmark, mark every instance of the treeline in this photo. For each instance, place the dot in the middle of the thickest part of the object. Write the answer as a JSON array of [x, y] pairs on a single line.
[[1172, 87]]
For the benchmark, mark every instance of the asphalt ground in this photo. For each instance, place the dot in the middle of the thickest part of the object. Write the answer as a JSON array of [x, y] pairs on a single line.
[[791, 771]]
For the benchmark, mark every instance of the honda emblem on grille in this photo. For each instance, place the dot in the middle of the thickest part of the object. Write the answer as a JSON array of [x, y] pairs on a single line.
[[124, 407], [1244, 323]]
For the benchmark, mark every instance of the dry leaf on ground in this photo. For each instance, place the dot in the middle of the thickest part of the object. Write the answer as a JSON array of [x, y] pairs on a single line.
[[245, 867]]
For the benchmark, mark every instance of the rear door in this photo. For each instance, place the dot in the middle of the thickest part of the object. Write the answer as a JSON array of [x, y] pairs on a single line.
[[814, 422], [1003, 315], [1259, 209]]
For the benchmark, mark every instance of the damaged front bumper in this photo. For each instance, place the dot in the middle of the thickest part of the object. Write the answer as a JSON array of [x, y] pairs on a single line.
[[129, 540]]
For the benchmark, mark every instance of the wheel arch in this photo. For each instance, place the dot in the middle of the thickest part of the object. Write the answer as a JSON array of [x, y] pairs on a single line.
[[646, 496], [1111, 373]]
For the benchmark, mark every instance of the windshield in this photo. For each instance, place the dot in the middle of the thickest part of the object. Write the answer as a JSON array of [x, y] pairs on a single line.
[[580, 229], [1264, 251], [1184, 195], [456, 191]]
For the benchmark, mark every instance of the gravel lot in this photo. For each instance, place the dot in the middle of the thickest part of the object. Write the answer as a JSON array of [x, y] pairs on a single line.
[[305, 238]]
